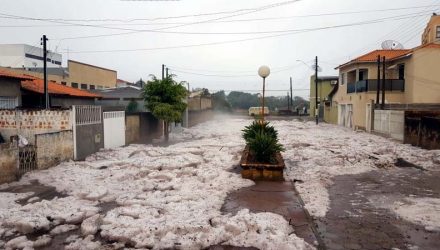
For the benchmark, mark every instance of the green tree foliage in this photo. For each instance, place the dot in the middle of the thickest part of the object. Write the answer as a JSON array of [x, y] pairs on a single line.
[[165, 100], [132, 106], [220, 103], [241, 100]]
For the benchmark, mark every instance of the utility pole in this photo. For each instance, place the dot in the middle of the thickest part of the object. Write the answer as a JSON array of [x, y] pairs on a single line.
[[291, 93], [167, 72], [378, 81], [46, 92], [288, 101], [163, 71], [316, 91], [383, 83]]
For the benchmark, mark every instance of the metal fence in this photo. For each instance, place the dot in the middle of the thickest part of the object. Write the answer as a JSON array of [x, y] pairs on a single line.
[[27, 159], [87, 115], [8, 102]]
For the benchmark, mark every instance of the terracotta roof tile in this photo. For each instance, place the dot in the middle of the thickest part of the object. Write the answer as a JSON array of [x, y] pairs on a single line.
[[14, 75], [372, 56], [37, 85]]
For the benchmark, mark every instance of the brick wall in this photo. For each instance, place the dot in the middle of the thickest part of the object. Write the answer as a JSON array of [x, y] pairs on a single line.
[[53, 148], [8, 162], [28, 123]]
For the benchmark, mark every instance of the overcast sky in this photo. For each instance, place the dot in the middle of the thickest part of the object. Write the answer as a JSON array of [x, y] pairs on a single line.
[[234, 65]]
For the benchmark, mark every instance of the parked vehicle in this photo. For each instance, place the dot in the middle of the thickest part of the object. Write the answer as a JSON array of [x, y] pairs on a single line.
[[253, 111]]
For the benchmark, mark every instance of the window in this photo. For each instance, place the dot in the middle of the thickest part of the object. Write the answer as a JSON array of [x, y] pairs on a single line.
[[64, 83], [83, 86], [438, 32], [401, 68], [342, 80], [7, 102], [92, 86], [74, 85]]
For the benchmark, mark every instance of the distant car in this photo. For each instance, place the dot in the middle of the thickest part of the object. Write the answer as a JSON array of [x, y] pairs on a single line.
[[253, 111]]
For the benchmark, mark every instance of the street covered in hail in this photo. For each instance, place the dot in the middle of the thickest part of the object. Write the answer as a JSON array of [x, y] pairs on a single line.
[[144, 196]]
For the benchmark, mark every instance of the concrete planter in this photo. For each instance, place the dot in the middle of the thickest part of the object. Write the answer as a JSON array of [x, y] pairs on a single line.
[[261, 171]]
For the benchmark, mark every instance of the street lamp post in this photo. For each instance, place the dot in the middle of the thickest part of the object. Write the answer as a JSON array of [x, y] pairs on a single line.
[[263, 71]]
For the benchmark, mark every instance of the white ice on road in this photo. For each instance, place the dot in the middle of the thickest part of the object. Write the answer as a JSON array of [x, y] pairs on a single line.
[[170, 197]]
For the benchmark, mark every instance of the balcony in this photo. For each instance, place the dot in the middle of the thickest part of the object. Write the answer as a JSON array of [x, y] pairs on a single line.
[[370, 85]]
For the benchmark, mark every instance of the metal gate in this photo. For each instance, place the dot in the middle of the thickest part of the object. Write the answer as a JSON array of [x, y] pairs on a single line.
[[27, 159], [114, 129], [87, 130]]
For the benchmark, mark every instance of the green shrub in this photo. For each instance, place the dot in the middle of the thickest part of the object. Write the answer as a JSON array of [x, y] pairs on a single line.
[[250, 132], [264, 147]]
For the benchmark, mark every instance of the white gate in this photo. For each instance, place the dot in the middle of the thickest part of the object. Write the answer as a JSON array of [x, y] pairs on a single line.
[[114, 129]]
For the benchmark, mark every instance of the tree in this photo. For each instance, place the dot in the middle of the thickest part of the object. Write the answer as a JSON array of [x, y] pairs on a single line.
[[165, 100], [132, 106], [220, 103]]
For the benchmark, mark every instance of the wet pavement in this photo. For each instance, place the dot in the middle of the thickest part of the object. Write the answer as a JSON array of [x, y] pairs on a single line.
[[355, 222], [275, 197]]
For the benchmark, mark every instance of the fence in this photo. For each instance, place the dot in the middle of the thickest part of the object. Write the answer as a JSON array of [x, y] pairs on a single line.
[[389, 123], [422, 128], [28, 123], [8, 162], [114, 129]]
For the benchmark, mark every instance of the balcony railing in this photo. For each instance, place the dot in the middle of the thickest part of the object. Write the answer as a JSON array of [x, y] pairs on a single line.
[[371, 85]]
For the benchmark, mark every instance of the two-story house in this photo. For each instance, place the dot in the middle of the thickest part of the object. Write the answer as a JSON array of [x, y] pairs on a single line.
[[412, 76]]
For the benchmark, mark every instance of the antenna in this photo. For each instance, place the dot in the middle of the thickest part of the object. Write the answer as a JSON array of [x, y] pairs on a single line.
[[391, 45]]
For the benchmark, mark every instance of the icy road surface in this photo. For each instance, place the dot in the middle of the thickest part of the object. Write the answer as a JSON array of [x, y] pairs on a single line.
[[170, 197]]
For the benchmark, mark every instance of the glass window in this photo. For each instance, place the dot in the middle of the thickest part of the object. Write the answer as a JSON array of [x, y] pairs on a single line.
[[74, 85], [83, 86], [438, 32], [64, 83], [92, 86], [342, 80]]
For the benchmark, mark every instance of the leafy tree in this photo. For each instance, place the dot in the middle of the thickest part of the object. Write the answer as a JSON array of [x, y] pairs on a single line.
[[165, 100], [132, 106], [220, 103]]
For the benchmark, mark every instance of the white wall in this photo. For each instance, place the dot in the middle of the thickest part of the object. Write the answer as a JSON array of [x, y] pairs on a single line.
[[13, 55], [390, 123], [114, 129]]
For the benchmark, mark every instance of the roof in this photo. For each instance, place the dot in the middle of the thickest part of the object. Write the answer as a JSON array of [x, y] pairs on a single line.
[[372, 56], [122, 92], [6, 74], [90, 65], [328, 78], [37, 85]]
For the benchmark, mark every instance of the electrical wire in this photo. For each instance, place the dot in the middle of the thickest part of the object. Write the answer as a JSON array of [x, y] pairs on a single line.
[[245, 39], [219, 21]]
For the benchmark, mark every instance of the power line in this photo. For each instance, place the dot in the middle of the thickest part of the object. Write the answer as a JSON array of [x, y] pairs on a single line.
[[153, 30], [246, 39], [176, 23]]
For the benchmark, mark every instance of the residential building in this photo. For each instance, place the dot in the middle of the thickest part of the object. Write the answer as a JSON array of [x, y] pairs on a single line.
[[412, 78], [432, 30], [28, 92], [86, 76], [10, 94], [327, 86], [128, 98], [77, 75], [26, 56]]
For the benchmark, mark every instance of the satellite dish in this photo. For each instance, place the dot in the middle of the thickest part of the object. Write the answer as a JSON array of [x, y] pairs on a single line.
[[391, 45]]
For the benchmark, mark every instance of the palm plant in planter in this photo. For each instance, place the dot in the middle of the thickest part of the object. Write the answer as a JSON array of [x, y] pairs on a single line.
[[262, 142]]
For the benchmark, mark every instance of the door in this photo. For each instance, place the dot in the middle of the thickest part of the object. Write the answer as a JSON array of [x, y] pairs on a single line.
[[114, 129]]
